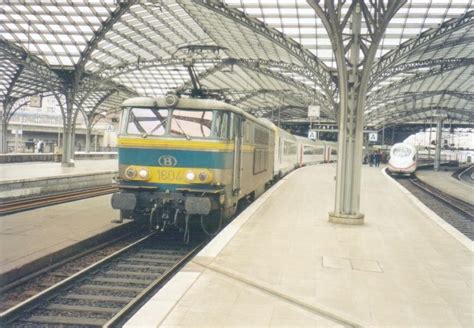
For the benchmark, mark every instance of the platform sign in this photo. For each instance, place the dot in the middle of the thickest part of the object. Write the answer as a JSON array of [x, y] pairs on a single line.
[[314, 111], [35, 101], [373, 136], [312, 134]]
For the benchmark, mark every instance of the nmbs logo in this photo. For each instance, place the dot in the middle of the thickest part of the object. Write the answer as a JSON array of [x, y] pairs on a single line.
[[167, 161]]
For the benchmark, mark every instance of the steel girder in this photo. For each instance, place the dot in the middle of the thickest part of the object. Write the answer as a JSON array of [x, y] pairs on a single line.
[[261, 66], [444, 63], [392, 118], [122, 7], [383, 92], [285, 110], [407, 97], [21, 58], [309, 60], [257, 66], [394, 57], [253, 94]]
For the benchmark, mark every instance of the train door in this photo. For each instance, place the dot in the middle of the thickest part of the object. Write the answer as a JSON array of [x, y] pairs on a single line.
[[237, 131]]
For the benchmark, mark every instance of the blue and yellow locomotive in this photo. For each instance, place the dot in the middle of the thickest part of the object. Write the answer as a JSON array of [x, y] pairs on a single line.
[[182, 157]]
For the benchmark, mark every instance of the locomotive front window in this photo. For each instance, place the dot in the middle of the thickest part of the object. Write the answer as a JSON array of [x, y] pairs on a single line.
[[191, 123], [147, 121]]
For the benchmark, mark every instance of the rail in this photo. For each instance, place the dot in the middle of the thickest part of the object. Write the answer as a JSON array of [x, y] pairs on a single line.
[[108, 291], [458, 205], [14, 206]]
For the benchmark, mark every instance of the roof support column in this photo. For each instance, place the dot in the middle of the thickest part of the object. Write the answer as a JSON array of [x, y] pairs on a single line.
[[354, 58], [88, 138], [439, 139], [3, 137], [351, 119], [4, 127], [68, 123]]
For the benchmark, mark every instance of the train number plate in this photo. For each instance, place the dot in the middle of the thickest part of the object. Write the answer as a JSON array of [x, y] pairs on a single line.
[[167, 175]]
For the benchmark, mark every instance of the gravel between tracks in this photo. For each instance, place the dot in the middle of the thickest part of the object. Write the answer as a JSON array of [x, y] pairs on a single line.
[[457, 220], [34, 286]]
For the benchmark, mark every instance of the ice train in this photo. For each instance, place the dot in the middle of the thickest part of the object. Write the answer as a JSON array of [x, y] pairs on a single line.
[[403, 159]]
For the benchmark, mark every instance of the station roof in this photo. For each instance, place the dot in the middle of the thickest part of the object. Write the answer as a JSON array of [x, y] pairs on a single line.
[[262, 56]]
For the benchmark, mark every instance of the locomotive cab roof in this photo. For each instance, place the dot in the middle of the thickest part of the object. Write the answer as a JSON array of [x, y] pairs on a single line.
[[192, 103]]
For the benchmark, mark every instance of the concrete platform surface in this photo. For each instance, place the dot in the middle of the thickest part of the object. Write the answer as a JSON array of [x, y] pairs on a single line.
[[38, 170], [281, 263], [31, 235], [444, 181]]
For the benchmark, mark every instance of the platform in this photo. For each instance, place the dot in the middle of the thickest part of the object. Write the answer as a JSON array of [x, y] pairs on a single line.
[[18, 180], [52, 157], [45, 234], [37, 170], [444, 181], [281, 263]]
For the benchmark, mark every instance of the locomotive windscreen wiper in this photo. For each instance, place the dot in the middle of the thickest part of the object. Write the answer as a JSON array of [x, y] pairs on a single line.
[[182, 131]]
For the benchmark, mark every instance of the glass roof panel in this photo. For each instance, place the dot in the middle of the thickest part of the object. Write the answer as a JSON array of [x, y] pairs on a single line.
[[60, 34]]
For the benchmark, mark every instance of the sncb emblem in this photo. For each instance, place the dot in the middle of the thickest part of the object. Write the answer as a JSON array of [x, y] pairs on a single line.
[[167, 161]]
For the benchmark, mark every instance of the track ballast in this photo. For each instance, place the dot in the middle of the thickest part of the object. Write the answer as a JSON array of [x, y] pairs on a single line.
[[107, 292]]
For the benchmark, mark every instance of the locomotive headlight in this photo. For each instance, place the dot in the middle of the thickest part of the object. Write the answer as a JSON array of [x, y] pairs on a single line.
[[130, 173], [190, 175], [203, 176], [143, 174]]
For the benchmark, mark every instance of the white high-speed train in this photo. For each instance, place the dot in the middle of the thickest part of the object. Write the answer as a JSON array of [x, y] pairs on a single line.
[[403, 159]]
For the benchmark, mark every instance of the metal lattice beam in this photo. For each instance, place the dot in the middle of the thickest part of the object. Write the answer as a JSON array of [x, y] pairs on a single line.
[[309, 60], [407, 97], [422, 113], [394, 87], [20, 57], [442, 63], [122, 8], [394, 57]]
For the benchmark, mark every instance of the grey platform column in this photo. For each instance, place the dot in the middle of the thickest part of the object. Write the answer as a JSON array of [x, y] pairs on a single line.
[[88, 138], [354, 56], [439, 139], [68, 121], [5, 118], [3, 136]]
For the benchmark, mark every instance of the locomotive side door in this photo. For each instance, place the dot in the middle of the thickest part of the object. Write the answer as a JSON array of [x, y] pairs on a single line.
[[237, 134]]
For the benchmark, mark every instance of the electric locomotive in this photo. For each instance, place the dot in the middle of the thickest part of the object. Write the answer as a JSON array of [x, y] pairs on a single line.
[[181, 158]]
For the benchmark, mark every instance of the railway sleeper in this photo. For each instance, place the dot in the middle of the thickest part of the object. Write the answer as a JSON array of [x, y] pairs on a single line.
[[37, 320], [138, 259], [149, 268], [135, 281], [164, 251], [141, 275], [112, 288], [81, 308], [95, 298], [160, 256]]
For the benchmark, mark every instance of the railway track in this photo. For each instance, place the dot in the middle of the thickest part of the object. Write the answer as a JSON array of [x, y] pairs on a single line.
[[456, 204], [465, 174], [14, 206], [107, 292]]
